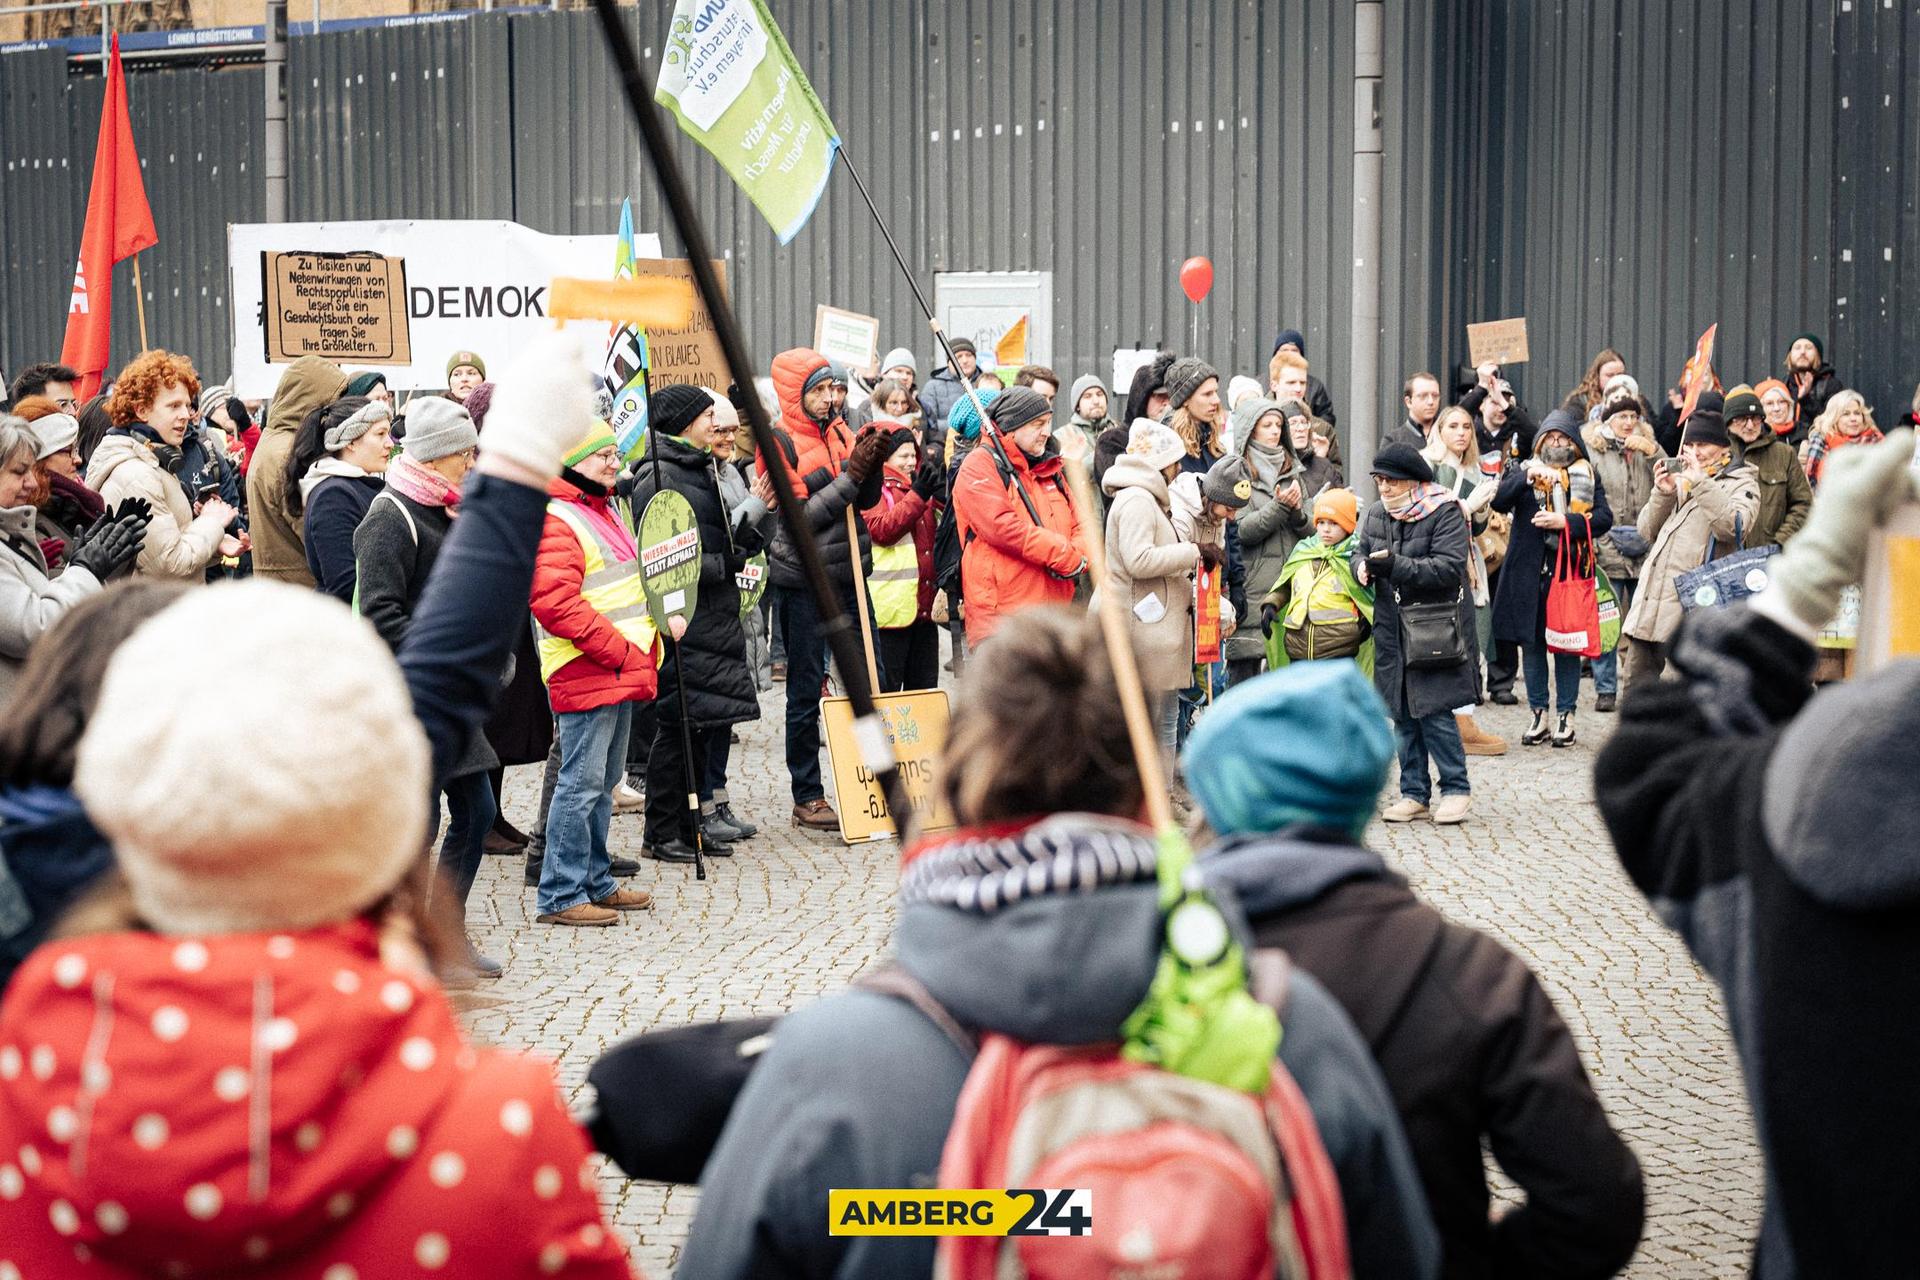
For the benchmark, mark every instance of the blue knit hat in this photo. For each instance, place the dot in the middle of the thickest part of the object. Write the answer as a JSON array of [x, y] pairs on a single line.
[[1308, 743], [1294, 336], [962, 417]]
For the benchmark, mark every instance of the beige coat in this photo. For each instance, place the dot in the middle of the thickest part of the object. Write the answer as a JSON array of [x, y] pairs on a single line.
[[1678, 530], [30, 601], [1147, 561], [178, 544], [278, 549]]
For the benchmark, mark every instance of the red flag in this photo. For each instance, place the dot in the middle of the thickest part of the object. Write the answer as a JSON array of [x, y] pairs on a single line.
[[1699, 374], [119, 225]]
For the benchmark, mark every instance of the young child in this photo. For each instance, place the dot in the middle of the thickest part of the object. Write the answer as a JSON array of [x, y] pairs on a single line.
[[1318, 609]]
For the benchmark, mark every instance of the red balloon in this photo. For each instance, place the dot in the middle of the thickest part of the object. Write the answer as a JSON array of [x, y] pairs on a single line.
[[1196, 277]]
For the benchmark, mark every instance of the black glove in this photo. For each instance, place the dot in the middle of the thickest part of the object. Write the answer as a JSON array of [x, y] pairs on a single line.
[[111, 549], [1212, 556], [130, 508], [930, 478], [1380, 566], [869, 451], [1268, 612], [237, 414]]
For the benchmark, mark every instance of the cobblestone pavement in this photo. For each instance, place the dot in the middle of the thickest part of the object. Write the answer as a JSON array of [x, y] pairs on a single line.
[[794, 915]]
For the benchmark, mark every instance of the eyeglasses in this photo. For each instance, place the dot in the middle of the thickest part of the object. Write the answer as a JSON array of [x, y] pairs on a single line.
[[68, 403], [610, 454]]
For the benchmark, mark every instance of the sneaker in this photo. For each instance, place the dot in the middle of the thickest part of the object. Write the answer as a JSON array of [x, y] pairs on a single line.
[[584, 913], [626, 900], [716, 828], [1537, 732], [746, 829], [1506, 697], [1563, 729], [1605, 703], [1403, 810], [779, 671], [1451, 810], [621, 867], [671, 851], [628, 798], [816, 815]]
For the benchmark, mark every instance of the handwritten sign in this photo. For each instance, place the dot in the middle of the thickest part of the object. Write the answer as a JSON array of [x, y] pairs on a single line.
[[691, 355], [349, 307], [916, 725], [1502, 341], [847, 336], [1206, 617]]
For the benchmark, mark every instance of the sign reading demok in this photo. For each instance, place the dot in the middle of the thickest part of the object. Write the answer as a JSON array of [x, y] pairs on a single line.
[[440, 286]]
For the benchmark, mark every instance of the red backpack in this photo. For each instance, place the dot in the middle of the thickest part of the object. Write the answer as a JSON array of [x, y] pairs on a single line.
[[1190, 1180]]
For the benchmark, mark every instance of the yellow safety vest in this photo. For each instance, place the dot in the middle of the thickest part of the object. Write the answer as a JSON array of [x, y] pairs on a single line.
[[610, 585], [895, 583]]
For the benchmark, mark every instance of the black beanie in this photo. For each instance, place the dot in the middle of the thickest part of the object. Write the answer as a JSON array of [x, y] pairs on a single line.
[[1704, 426], [673, 408], [1016, 407], [1401, 462], [1819, 347]]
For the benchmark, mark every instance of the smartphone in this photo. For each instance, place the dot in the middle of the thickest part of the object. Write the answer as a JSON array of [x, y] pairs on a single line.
[[207, 491]]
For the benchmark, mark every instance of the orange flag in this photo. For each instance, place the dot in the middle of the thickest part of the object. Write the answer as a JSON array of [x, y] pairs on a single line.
[[1699, 374], [1011, 350], [119, 225]]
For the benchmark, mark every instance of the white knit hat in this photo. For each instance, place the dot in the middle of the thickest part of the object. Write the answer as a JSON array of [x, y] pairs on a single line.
[[56, 433], [1160, 445], [725, 412], [1240, 388], [295, 798]]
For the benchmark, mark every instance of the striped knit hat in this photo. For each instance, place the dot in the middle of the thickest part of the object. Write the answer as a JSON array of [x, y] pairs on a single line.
[[598, 438]]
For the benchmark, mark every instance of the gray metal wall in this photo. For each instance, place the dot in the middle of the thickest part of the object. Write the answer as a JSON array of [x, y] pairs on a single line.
[[1620, 171]]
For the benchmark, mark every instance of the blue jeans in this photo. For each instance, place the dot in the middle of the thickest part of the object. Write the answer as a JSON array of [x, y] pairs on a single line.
[[1437, 737], [1566, 676], [1606, 667], [593, 757], [470, 815]]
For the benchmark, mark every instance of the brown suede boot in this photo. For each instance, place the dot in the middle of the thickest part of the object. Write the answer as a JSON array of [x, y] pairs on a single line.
[[1477, 741]]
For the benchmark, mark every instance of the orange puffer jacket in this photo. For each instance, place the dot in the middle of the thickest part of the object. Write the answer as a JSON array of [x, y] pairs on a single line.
[[1007, 562], [816, 454]]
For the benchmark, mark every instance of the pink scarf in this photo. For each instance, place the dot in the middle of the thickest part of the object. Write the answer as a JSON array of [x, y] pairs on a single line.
[[1427, 499], [427, 487]]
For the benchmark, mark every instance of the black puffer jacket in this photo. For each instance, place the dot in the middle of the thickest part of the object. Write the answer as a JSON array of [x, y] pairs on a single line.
[[713, 653], [1429, 563]]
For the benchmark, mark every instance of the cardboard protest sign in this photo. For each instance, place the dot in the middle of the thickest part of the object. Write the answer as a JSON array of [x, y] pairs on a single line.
[[1889, 614], [847, 336], [669, 558], [347, 307], [916, 725], [1206, 617], [1502, 341], [692, 354]]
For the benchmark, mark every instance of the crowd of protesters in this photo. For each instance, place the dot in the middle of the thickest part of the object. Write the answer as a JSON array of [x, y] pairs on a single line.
[[224, 1044]]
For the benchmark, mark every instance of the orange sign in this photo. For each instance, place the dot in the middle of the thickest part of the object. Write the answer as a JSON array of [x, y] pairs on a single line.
[[1206, 617], [1699, 374]]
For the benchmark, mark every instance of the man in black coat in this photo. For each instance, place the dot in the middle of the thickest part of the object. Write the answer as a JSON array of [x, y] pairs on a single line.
[[710, 658], [1775, 830], [1412, 548], [1470, 1045], [1811, 381]]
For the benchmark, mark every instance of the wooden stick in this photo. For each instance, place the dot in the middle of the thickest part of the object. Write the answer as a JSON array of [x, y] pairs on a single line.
[[140, 301], [860, 600], [1126, 669]]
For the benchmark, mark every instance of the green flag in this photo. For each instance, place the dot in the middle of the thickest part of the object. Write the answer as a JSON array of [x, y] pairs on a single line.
[[735, 87]]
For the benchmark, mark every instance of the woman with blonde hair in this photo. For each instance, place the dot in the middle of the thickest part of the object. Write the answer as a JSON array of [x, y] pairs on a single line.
[[1847, 420], [1453, 451]]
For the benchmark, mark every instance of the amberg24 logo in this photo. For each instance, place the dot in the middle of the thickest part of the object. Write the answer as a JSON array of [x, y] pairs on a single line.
[[1016, 1211]]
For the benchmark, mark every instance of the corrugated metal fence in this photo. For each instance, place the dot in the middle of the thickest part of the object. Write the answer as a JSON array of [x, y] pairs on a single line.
[[1621, 171]]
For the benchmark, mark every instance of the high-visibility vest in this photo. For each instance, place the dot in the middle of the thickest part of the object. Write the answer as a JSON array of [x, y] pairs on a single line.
[[611, 585], [895, 583]]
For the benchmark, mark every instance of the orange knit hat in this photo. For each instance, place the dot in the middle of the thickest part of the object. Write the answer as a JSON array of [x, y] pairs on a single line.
[[1339, 506]]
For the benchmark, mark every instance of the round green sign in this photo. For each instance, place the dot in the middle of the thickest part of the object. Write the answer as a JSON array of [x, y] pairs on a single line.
[[669, 558]]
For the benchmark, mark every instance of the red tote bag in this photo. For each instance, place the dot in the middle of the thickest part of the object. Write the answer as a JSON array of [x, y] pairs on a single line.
[[1573, 603]]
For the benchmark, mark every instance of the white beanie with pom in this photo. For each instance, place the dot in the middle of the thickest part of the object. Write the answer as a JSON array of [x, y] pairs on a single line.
[[295, 797]]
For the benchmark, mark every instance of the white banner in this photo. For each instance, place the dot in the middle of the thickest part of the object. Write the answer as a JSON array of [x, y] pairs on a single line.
[[471, 286]]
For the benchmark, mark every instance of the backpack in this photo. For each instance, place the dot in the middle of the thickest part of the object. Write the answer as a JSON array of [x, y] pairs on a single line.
[[1189, 1179]]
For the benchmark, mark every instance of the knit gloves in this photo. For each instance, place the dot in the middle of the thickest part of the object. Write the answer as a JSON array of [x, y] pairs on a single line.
[[542, 405], [869, 451], [1863, 486]]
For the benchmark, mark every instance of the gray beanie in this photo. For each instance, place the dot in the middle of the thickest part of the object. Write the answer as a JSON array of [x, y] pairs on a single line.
[[1184, 378], [438, 428], [1081, 385], [357, 425], [1228, 483], [898, 357], [1016, 407], [213, 397]]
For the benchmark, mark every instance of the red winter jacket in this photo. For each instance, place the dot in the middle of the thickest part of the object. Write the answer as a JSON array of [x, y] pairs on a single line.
[[1007, 562], [901, 513], [610, 669], [266, 1107], [816, 454]]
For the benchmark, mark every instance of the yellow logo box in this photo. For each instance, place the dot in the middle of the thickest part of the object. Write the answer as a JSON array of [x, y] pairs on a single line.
[[1017, 1211]]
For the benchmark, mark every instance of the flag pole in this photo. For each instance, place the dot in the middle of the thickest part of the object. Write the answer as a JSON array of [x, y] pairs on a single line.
[[876, 748], [860, 599], [140, 301]]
